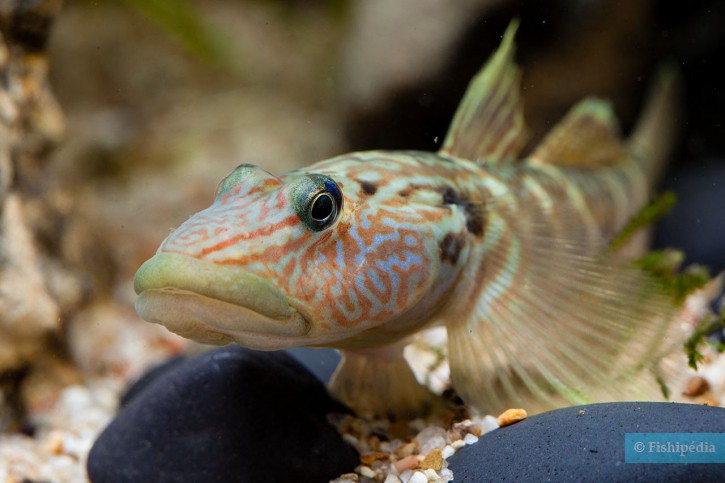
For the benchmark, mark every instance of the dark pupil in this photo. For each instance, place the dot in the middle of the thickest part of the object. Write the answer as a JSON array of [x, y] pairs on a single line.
[[322, 207]]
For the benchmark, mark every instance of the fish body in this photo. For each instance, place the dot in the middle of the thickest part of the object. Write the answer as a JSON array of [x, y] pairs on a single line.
[[509, 252]]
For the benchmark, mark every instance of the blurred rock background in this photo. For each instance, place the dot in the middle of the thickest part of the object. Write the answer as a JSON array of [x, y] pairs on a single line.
[[161, 98]]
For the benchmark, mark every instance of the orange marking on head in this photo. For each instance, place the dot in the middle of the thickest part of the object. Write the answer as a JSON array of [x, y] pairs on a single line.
[[197, 235], [288, 269], [263, 231], [269, 255]]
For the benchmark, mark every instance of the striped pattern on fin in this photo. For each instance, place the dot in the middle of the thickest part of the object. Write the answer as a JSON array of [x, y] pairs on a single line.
[[554, 325], [489, 124], [587, 137]]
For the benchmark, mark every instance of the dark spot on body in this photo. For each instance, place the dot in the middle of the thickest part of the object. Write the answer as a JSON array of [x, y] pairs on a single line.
[[367, 187], [475, 218], [475, 211], [451, 246], [405, 192], [451, 196]]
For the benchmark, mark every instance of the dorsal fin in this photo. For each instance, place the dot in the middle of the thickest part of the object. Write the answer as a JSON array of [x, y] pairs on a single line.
[[489, 123], [587, 137]]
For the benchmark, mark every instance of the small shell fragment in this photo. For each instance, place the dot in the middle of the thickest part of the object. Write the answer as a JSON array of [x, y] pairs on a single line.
[[511, 416]]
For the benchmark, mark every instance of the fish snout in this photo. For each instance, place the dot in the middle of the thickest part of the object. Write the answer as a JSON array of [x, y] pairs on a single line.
[[216, 304]]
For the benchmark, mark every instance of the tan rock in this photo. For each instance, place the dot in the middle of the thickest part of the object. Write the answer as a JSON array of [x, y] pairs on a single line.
[[511, 416], [27, 312], [433, 460]]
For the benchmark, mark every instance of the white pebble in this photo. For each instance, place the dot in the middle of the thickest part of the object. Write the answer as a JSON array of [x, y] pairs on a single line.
[[458, 444], [350, 439], [448, 451], [392, 479], [430, 474], [366, 471], [487, 423], [470, 439], [418, 477], [436, 336], [432, 438], [446, 474]]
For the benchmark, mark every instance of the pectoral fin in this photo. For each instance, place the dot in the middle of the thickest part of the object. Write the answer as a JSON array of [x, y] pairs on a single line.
[[489, 124], [379, 383], [555, 325]]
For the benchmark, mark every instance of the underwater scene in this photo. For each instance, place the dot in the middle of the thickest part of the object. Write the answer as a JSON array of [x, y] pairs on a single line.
[[361, 241]]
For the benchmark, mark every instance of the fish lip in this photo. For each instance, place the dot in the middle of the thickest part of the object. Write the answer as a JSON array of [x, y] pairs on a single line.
[[215, 303], [226, 283]]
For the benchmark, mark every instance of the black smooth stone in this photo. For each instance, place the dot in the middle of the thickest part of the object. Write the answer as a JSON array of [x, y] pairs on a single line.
[[147, 380], [587, 443], [320, 362], [229, 415]]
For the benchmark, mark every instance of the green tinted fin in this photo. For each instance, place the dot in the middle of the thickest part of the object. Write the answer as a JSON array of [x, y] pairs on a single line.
[[489, 124], [556, 325], [587, 137]]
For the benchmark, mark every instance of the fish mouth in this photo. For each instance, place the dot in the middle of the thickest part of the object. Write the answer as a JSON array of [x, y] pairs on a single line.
[[216, 304]]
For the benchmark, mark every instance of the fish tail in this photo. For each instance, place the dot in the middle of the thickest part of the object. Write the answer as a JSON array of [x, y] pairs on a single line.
[[655, 135]]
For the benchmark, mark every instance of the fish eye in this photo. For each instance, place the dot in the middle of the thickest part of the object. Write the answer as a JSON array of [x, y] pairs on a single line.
[[318, 201], [322, 208], [238, 174]]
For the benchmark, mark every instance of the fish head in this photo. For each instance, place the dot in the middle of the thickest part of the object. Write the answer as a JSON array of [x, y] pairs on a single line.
[[311, 258]]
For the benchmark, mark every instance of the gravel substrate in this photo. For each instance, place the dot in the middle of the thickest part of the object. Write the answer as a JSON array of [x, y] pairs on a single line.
[[119, 350], [418, 454]]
